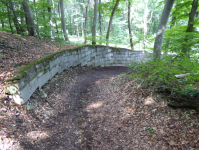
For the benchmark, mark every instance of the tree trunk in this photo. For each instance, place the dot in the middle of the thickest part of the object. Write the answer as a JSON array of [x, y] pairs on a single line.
[[32, 31], [14, 18], [59, 12], [100, 24], [56, 19], [129, 24], [9, 18], [145, 23], [76, 16], [82, 21], [190, 27], [82, 26], [110, 22], [94, 23], [192, 16], [22, 17], [56, 24], [85, 24], [63, 20], [50, 19], [44, 20], [161, 28], [2, 21], [173, 21], [36, 16]]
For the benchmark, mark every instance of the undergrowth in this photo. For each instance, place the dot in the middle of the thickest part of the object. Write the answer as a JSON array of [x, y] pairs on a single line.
[[160, 76]]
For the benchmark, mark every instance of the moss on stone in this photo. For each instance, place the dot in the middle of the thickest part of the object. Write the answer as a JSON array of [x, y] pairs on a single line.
[[10, 89], [22, 71], [14, 79]]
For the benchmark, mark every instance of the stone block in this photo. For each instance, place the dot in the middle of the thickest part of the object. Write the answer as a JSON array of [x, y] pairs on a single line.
[[39, 74], [43, 78]]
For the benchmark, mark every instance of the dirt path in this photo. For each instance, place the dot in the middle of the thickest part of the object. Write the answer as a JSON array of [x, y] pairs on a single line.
[[98, 109], [61, 120]]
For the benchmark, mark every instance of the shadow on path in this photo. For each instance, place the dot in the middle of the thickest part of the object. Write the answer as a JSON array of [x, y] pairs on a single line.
[[61, 120]]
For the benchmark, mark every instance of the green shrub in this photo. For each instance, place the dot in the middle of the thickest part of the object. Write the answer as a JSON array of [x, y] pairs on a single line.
[[160, 75]]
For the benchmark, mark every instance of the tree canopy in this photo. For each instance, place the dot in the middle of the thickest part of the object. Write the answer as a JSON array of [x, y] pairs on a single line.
[[67, 20]]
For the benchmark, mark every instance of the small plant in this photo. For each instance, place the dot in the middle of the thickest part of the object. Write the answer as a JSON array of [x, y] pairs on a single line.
[[150, 129], [1, 55]]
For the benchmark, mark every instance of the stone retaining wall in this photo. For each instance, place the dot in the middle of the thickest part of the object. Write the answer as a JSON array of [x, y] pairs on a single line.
[[36, 74]]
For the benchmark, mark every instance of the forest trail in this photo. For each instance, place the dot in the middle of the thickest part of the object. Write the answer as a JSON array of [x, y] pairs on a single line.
[[98, 108], [87, 108], [67, 114]]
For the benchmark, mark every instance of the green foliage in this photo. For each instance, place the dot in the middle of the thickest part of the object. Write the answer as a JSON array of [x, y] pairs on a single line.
[[183, 9], [177, 38], [106, 9], [160, 76], [150, 129], [1, 55]]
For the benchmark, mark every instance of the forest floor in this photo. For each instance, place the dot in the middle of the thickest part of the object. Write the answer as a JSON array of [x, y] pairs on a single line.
[[87, 108]]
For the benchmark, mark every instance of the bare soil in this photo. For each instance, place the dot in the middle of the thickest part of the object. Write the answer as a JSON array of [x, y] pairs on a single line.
[[99, 109], [90, 109]]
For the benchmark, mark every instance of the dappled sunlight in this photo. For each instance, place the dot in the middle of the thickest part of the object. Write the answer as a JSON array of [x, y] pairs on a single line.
[[128, 111], [6, 73], [34, 135], [139, 86], [148, 101], [7, 143], [160, 31], [163, 104], [97, 82], [111, 79], [98, 115], [94, 105]]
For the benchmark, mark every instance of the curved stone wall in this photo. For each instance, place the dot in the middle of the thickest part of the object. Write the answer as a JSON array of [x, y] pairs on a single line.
[[36, 74]]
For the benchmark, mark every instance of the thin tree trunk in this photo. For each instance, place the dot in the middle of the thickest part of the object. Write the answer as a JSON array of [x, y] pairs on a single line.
[[63, 20], [15, 20], [36, 16], [56, 24], [50, 19], [190, 27], [173, 21], [100, 24], [55, 18], [129, 24], [2, 21], [82, 21], [9, 19], [32, 31], [192, 16], [110, 22], [82, 26], [161, 28], [77, 26], [94, 23], [145, 23], [85, 24], [44, 24], [59, 12], [22, 16]]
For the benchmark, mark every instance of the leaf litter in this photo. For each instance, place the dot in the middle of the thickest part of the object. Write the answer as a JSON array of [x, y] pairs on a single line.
[[111, 112]]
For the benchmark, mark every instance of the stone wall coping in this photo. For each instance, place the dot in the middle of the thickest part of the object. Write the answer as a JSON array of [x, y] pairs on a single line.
[[35, 74]]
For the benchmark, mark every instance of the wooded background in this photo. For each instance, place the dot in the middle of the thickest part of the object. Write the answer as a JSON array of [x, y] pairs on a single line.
[[132, 23]]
